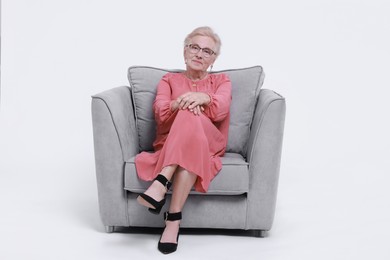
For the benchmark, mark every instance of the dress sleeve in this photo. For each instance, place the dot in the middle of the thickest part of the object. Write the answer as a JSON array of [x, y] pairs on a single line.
[[162, 102], [220, 100]]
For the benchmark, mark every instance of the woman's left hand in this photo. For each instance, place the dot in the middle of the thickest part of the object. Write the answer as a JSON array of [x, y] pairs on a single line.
[[193, 101], [197, 110]]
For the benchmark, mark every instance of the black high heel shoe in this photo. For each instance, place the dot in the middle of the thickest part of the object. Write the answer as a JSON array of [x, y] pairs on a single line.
[[157, 204], [167, 248]]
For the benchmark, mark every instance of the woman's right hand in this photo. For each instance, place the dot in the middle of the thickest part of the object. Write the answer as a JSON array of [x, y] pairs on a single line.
[[174, 105]]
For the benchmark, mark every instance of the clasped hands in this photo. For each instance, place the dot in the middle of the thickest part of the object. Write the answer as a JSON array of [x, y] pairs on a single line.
[[193, 101]]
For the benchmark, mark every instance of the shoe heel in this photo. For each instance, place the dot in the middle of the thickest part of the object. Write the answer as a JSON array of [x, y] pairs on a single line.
[[157, 210], [156, 204]]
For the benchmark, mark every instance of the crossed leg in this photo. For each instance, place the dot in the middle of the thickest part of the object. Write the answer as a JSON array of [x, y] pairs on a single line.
[[182, 185], [156, 190]]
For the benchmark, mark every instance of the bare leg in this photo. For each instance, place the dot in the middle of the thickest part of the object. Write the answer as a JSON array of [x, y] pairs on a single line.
[[182, 185], [156, 190]]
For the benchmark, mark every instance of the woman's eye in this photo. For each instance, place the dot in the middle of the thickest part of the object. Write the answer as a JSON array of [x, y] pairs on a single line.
[[208, 51], [195, 47]]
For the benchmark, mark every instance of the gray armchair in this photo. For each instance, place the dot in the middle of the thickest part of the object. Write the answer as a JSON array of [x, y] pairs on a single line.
[[242, 196]]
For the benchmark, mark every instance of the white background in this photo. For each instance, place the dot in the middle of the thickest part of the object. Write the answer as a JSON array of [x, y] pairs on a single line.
[[329, 58]]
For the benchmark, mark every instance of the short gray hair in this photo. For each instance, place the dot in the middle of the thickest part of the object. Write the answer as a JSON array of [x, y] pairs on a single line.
[[205, 31]]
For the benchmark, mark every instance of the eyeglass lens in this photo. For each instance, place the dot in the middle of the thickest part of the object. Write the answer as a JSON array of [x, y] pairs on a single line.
[[194, 48]]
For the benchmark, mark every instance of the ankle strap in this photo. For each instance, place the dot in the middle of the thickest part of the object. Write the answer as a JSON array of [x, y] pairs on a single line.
[[172, 216], [164, 181]]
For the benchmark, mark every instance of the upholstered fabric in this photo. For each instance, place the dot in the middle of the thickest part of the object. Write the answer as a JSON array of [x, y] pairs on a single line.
[[199, 212], [233, 179], [246, 84], [143, 82]]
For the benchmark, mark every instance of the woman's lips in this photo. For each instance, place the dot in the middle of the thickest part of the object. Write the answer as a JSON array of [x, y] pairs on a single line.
[[197, 62]]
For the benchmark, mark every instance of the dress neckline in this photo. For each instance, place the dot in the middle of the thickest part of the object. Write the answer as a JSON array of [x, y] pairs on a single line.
[[196, 81]]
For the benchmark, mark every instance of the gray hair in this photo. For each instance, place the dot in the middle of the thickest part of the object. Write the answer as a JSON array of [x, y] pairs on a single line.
[[205, 31]]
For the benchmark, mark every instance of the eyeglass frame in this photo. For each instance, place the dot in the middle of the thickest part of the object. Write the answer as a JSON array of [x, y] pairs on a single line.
[[201, 49]]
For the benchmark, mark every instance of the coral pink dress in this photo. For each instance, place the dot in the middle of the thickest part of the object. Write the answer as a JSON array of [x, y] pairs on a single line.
[[195, 142]]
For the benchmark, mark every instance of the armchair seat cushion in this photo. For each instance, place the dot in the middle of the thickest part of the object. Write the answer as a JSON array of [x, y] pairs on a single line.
[[233, 179]]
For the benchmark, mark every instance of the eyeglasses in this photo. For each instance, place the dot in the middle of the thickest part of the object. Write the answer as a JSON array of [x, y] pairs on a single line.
[[206, 52]]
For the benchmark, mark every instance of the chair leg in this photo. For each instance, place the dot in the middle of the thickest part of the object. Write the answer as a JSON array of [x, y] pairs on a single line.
[[109, 229], [260, 233]]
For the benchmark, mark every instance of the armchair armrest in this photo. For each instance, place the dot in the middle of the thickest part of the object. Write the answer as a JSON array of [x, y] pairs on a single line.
[[115, 140], [263, 155]]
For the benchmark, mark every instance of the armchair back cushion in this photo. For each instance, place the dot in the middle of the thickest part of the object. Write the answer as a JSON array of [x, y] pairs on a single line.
[[246, 84]]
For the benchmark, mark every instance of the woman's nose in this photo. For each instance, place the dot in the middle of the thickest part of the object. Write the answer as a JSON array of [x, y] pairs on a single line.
[[199, 55]]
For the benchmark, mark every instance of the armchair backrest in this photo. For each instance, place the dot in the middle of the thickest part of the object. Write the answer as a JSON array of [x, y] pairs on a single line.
[[246, 84]]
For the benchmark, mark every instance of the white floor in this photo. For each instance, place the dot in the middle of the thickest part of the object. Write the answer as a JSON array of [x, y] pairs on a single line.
[[316, 218]]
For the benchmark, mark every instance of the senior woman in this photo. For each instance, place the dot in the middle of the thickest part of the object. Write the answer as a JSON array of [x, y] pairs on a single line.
[[192, 115]]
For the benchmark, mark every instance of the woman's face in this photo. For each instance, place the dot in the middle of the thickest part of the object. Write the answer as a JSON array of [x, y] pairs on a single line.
[[197, 53]]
